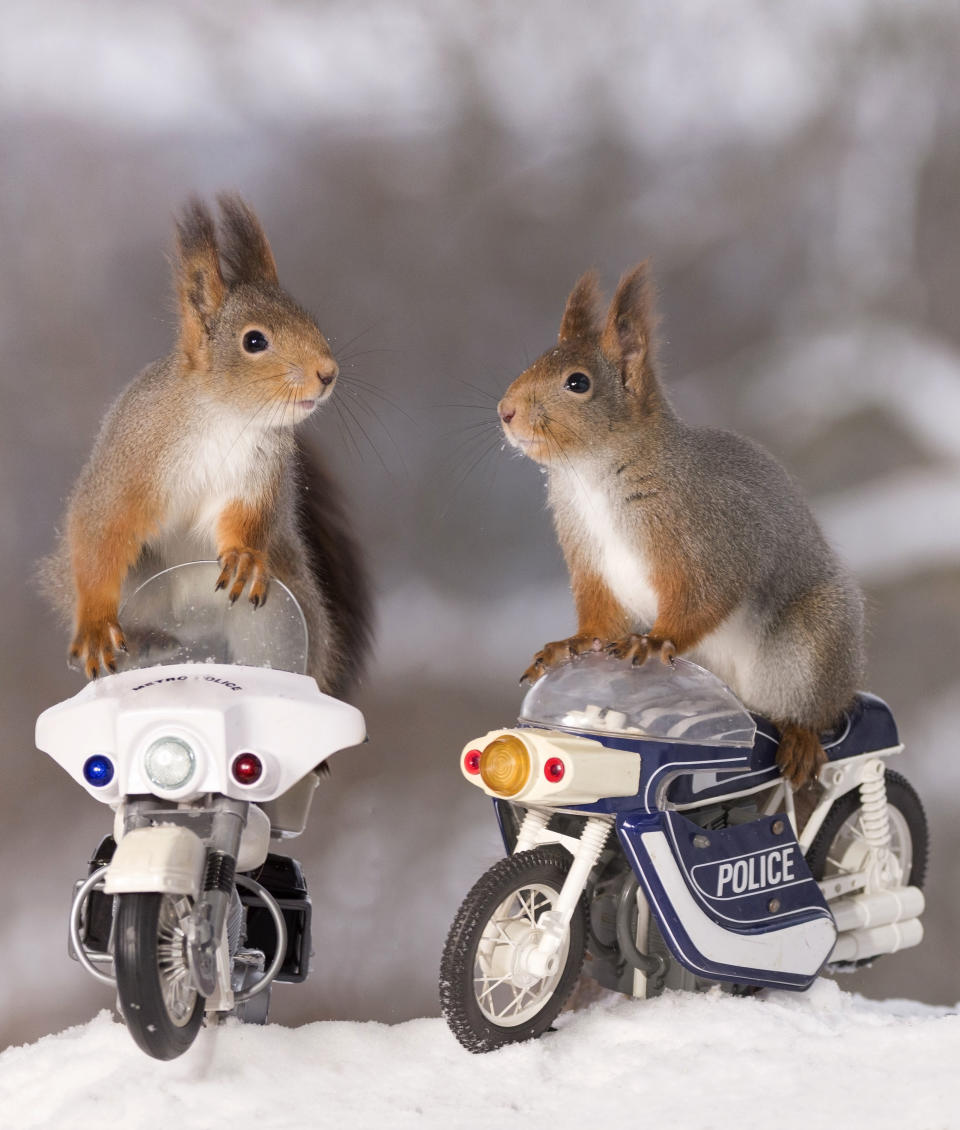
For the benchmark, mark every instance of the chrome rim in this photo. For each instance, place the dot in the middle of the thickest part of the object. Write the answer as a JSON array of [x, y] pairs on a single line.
[[506, 993], [179, 998], [849, 850]]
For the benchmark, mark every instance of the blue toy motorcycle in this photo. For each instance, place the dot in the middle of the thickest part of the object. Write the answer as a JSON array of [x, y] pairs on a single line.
[[653, 844]]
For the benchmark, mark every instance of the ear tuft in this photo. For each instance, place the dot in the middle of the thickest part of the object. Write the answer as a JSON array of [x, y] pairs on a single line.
[[628, 336], [198, 279], [581, 318], [245, 250]]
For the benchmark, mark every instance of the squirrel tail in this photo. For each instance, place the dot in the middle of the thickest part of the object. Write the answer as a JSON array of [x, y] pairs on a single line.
[[337, 564]]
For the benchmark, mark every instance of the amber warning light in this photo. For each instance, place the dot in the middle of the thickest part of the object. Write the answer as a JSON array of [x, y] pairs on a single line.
[[505, 765]]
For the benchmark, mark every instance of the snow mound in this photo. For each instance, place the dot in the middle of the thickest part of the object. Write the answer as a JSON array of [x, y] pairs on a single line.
[[818, 1059]]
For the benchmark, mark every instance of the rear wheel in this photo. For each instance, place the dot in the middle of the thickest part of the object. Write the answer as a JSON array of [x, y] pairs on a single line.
[[840, 847], [161, 1009], [487, 995]]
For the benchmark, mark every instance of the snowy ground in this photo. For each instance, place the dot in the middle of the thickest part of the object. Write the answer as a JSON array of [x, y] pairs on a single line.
[[826, 1058]]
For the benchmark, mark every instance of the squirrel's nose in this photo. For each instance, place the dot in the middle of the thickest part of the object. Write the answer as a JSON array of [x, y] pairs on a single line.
[[507, 413], [327, 373]]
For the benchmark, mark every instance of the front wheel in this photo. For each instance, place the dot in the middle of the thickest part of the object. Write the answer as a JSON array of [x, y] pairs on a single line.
[[487, 995], [161, 1009]]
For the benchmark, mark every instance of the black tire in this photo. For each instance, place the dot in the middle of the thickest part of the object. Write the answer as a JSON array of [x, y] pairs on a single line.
[[460, 1003], [163, 1024], [902, 796]]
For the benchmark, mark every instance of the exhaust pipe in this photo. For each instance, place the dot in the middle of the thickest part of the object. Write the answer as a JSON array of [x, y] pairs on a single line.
[[882, 922], [873, 941], [883, 908]]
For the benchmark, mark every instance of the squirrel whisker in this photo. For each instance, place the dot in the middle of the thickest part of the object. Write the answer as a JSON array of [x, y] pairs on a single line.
[[353, 416], [475, 459], [372, 390], [346, 436], [359, 403]]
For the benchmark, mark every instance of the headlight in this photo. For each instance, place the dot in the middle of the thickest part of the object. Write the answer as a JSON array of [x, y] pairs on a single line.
[[505, 765], [169, 762]]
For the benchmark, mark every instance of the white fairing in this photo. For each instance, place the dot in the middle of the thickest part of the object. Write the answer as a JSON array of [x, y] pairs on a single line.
[[220, 710]]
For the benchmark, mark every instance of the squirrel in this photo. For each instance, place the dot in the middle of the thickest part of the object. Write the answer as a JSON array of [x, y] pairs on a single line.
[[680, 538], [197, 457]]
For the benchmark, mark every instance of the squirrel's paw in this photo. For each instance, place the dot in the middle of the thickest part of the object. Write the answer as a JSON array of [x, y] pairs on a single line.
[[237, 567], [800, 754], [560, 651], [95, 646], [638, 649]]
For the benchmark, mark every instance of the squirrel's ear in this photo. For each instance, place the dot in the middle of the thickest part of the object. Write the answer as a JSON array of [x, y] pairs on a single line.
[[627, 338], [198, 280], [245, 249], [581, 318]]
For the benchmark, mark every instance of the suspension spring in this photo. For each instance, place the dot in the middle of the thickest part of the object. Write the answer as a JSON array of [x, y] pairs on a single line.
[[593, 838], [533, 824], [874, 817]]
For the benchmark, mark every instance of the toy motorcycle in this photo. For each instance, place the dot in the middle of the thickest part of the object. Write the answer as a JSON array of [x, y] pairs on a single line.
[[205, 748], [653, 843]]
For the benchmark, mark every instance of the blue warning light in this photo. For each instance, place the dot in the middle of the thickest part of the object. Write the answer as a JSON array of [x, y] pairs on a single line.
[[98, 770]]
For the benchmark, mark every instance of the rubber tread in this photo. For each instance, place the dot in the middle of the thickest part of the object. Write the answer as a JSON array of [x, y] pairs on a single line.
[[138, 980], [902, 796], [547, 865]]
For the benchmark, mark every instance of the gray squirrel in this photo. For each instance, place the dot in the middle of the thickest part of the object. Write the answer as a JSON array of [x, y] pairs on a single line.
[[197, 457], [681, 538]]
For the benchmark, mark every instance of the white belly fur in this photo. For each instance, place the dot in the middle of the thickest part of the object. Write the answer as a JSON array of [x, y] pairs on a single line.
[[732, 654], [217, 465], [622, 564]]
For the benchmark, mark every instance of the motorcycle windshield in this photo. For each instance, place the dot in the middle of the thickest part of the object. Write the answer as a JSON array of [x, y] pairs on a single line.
[[177, 616], [598, 693]]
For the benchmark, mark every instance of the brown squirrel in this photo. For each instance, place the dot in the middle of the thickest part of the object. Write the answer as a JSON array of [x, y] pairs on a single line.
[[197, 458], [681, 538]]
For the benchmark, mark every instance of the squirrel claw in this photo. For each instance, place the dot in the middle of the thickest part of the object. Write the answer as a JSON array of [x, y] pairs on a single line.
[[558, 652], [800, 755], [94, 646], [637, 649], [240, 566]]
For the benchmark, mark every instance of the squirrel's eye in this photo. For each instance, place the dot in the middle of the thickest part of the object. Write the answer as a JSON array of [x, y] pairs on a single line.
[[577, 382], [254, 341]]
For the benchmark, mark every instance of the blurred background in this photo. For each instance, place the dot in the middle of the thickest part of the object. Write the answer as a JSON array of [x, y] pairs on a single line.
[[434, 177]]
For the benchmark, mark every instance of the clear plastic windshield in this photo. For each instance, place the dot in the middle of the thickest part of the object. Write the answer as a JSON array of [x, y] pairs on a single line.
[[681, 703], [178, 617]]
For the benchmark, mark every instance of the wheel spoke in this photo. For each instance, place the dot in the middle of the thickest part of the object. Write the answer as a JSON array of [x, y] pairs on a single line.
[[513, 924], [493, 985]]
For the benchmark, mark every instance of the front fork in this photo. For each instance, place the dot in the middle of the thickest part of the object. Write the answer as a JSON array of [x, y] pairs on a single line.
[[206, 927], [220, 829], [541, 959]]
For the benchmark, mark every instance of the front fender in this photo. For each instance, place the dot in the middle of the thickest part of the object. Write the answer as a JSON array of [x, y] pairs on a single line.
[[165, 859]]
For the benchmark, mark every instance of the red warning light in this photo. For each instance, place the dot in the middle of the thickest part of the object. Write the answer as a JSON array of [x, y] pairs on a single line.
[[247, 768], [554, 769]]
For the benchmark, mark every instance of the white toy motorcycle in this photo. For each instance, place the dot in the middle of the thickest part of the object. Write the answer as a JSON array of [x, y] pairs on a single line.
[[206, 748]]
